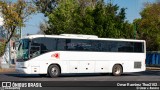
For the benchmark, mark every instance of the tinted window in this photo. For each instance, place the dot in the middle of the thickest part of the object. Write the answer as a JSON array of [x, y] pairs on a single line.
[[77, 45], [108, 46], [48, 44], [125, 47], [42, 45], [138, 47], [121, 46], [61, 44], [35, 49]]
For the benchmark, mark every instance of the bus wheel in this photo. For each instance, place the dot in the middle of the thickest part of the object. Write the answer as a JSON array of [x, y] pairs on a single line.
[[53, 71], [117, 70]]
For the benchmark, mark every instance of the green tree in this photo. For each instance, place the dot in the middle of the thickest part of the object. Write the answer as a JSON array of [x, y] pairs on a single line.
[[88, 17], [46, 6], [14, 15], [149, 25]]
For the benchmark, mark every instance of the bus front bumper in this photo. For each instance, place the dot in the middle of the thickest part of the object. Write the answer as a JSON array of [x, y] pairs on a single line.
[[22, 70]]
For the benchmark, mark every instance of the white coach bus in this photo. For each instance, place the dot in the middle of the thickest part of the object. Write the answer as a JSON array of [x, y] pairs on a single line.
[[71, 53]]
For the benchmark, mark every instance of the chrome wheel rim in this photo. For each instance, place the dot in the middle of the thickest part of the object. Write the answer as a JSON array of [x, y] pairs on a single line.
[[54, 71], [117, 70]]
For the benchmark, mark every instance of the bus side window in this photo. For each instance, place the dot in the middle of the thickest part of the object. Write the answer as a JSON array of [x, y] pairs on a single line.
[[35, 47], [35, 51], [138, 47], [61, 44], [125, 47]]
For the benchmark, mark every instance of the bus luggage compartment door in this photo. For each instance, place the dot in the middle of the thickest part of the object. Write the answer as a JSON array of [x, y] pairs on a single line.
[[86, 66], [73, 67]]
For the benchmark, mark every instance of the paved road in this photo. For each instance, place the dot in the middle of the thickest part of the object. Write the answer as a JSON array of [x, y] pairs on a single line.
[[153, 75]]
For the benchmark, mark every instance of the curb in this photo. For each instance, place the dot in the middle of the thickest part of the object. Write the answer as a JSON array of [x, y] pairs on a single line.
[[152, 68]]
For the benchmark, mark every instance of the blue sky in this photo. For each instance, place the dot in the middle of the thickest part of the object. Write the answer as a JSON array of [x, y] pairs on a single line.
[[132, 12]]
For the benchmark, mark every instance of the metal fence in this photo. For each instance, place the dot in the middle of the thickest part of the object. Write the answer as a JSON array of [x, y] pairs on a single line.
[[153, 58]]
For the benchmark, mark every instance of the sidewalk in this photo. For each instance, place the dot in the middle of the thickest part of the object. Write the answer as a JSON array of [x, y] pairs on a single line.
[[8, 70]]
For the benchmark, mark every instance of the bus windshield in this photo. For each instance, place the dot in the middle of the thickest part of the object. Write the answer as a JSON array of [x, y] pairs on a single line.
[[23, 50]]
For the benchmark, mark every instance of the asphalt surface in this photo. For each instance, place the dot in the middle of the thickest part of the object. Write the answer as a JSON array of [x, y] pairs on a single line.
[[149, 75]]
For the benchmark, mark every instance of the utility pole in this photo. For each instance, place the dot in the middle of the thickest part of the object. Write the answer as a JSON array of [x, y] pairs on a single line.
[[20, 32]]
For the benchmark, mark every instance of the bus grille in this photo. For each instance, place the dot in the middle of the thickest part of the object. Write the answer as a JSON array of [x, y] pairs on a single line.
[[137, 64]]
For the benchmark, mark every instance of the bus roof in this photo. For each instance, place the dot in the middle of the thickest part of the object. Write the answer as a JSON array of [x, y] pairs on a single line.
[[80, 36]]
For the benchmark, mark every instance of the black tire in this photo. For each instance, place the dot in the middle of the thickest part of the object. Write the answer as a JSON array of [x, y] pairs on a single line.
[[54, 71], [117, 70]]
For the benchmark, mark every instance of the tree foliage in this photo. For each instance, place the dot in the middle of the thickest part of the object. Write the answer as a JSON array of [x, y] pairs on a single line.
[[85, 17], [46, 6], [14, 15], [148, 27]]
